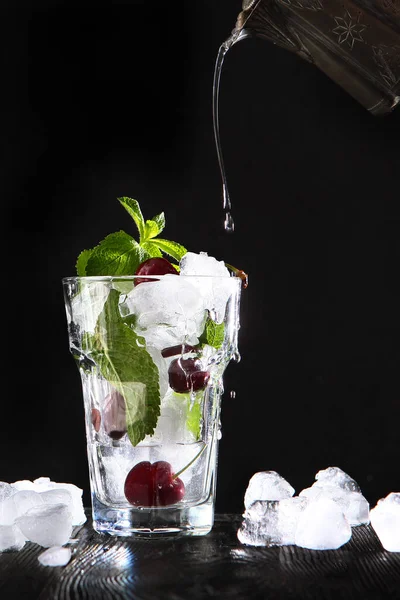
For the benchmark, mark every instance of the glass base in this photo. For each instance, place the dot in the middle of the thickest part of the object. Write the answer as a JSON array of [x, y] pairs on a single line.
[[153, 522]]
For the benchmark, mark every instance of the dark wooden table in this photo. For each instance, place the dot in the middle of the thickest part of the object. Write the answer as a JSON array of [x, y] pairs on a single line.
[[213, 566]]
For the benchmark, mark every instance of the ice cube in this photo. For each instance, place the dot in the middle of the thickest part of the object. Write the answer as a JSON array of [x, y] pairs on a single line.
[[47, 525], [334, 476], [271, 523], [44, 484], [24, 484], [172, 423], [385, 519], [215, 289], [260, 525], [289, 511], [8, 510], [56, 556], [88, 304], [11, 538], [202, 264], [171, 305], [77, 509], [322, 526], [17, 504], [267, 485], [57, 496], [353, 504], [26, 499], [6, 490]]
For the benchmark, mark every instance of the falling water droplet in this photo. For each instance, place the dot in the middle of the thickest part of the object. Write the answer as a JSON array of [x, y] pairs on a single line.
[[233, 394], [228, 223]]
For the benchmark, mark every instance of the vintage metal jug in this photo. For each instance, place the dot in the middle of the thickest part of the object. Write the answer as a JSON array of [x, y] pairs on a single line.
[[354, 42]]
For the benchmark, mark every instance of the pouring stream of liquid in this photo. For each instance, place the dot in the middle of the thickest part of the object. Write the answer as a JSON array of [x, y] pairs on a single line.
[[228, 223]]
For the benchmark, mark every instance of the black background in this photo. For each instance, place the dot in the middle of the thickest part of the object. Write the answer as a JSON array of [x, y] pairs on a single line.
[[106, 99]]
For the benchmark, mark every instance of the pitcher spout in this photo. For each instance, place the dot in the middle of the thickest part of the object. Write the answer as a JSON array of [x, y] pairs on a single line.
[[355, 45]]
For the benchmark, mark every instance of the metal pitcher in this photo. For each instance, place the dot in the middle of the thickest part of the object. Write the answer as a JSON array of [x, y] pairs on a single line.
[[354, 42]]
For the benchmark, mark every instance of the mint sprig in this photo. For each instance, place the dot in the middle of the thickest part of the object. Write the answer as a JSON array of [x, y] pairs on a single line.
[[119, 254], [123, 360]]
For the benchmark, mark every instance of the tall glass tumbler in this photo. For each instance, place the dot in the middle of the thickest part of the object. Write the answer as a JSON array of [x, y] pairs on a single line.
[[152, 353]]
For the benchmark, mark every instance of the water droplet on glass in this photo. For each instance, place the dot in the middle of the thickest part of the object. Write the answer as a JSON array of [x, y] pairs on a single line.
[[236, 357], [219, 432]]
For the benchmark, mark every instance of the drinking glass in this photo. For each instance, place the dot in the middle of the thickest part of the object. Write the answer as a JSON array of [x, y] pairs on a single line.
[[151, 354]]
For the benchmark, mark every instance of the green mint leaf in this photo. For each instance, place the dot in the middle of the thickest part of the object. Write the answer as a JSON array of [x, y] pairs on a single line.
[[124, 361], [193, 419], [160, 220], [82, 261], [171, 248], [117, 254], [213, 334], [151, 229], [133, 208], [151, 249]]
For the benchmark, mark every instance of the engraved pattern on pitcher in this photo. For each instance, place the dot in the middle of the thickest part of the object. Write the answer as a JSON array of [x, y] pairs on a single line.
[[388, 62], [304, 4], [391, 6], [349, 29]]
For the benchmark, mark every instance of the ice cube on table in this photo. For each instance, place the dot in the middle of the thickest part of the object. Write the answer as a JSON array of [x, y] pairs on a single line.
[[322, 526], [353, 504], [44, 484], [56, 556], [47, 525], [267, 485], [6, 490], [260, 525], [271, 523], [24, 484], [11, 538], [58, 496], [17, 504], [289, 511], [334, 476], [26, 499], [385, 520]]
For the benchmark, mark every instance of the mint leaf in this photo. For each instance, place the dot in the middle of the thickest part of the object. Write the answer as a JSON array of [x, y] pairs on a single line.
[[213, 334], [117, 254], [124, 361], [133, 208], [151, 249], [193, 419], [160, 220], [151, 229], [171, 248], [81, 263]]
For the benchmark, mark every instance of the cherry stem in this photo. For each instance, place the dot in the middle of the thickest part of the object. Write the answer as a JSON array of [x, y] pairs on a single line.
[[191, 462], [239, 273]]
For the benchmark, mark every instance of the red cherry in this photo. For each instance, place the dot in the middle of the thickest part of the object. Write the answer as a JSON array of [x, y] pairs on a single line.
[[153, 485], [154, 266], [96, 419], [185, 374], [114, 415]]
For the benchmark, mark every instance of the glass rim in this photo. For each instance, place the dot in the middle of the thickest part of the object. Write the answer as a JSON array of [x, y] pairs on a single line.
[[109, 278]]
